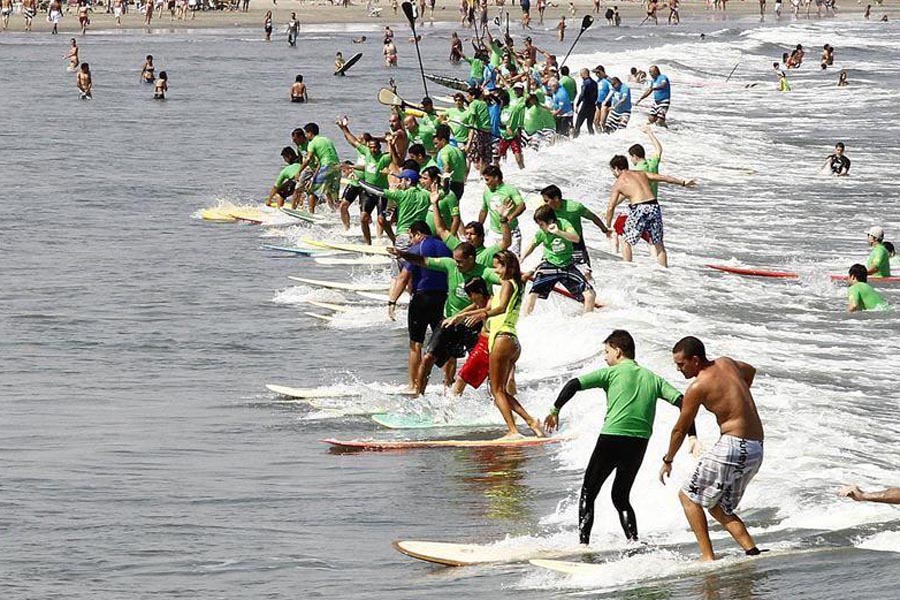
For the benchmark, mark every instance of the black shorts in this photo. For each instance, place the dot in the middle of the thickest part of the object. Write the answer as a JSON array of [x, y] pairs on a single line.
[[426, 309], [563, 125], [452, 342], [351, 193], [547, 276], [287, 188], [580, 254]]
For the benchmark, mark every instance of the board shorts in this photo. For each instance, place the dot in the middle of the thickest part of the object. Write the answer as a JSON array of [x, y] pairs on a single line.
[[367, 202], [29, 13], [452, 342], [492, 238], [616, 120], [659, 109], [287, 188], [723, 472], [547, 275], [426, 309], [580, 256], [478, 365], [619, 227], [117, 11], [327, 180], [644, 218], [481, 148], [5, 12], [298, 99], [402, 243], [541, 138], [514, 144], [564, 124], [55, 16]]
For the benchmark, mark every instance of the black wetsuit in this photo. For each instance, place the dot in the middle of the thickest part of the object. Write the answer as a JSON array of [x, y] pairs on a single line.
[[840, 165]]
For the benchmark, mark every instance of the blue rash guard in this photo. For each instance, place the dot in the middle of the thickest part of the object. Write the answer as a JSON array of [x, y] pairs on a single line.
[[662, 90], [562, 102], [621, 100], [603, 90]]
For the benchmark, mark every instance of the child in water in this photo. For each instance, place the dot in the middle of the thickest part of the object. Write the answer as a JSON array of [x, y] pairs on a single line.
[[161, 86], [298, 90]]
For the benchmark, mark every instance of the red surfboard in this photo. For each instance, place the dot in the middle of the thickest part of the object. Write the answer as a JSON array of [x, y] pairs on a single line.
[[791, 275]]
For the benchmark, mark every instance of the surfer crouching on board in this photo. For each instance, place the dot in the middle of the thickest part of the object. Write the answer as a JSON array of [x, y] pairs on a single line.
[[722, 474], [631, 395]]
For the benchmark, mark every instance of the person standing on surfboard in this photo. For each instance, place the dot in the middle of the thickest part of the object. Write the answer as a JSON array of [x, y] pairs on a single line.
[[722, 474], [287, 178], [500, 198], [631, 395], [450, 160], [374, 171], [322, 158], [574, 212]]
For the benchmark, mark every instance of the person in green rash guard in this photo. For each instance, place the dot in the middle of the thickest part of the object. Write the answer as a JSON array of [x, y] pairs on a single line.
[[450, 160], [374, 168], [476, 68], [419, 133], [431, 118], [879, 262], [450, 342], [861, 295], [417, 154], [287, 178], [474, 232], [447, 202], [641, 162], [455, 115], [566, 81], [501, 200], [539, 122], [558, 266], [322, 157], [573, 212], [512, 121], [479, 146], [631, 395]]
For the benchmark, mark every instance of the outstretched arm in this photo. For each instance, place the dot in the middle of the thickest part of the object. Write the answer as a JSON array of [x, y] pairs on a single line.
[[351, 139], [670, 179], [590, 216], [887, 496]]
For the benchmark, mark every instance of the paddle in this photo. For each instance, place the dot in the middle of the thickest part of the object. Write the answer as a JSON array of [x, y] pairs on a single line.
[[411, 17], [732, 71], [586, 22]]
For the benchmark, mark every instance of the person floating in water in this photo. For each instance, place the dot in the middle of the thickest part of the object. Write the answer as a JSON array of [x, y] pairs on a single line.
[[161, 86], [298, 90]]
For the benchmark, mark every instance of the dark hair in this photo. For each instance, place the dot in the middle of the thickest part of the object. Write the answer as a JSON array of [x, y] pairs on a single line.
[[889, 247], [859, 272], [410, 164], [615, 81], [511, 268], [476, 285], [622, 341], [839, 145], [633, 70], [476, 226], [493, 171], [433, 172], [443, 132], [619, 162], [298, 131], [420, 227], [545, 214], [553, 192], [502, 96], [466, 249], [163, 75], [564, 70], [289, 153], [637, 150], [312, 128], [418, 150], [427, 100], [690, 347], [149, 57], [475, 92], [299, 78]]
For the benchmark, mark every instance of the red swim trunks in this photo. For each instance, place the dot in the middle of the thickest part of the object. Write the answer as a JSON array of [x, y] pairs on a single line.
[[619, 228], [477, 366]]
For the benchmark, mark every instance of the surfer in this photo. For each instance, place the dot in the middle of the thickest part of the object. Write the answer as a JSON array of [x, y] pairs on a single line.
[[631, 395], [148, 71], [638, 157], [512, 121], [604, 97], [879, 262], [85, 82], [477, 366], [662, 93], [428, 294], [450, 160], [562, 106], [644, 212], [586, 103], [474, 234], [286, 182], [298, 90], [374, 168], [558, 266], [339, 64], [161, 86], [573, 212], [501, 200], [886, 496], [478, 120], [722, 474], [838, 162], [619, 100], [322, 159], [861, 295]]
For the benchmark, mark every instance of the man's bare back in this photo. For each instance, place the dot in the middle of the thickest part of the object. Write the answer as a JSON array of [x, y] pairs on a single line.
[[723, 388]]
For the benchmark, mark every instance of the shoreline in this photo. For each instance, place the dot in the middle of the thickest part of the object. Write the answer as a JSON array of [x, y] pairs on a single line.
[[355, 16]]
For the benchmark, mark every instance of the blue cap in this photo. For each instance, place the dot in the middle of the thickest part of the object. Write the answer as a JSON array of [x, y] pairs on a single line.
[[409, 174]]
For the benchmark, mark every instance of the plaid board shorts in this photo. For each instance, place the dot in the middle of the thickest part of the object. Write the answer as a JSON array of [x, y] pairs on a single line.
[[723, 473], [644, 217]]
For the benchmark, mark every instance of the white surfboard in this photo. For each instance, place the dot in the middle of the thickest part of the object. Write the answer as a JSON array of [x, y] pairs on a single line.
[[404, 299], [461, 555], [319, 316], [339, 285], [373, 261], [348, 247], [343, 391], [329, 306]]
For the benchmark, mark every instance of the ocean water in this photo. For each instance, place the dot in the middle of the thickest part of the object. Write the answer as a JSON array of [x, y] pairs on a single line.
[[143, 457]]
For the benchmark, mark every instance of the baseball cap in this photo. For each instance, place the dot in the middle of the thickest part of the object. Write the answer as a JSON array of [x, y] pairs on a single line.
[[876, 232], [409, 174], [518, 84]]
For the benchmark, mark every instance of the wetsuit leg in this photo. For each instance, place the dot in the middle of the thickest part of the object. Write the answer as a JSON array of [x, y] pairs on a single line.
[[599, 468], [631, 455]]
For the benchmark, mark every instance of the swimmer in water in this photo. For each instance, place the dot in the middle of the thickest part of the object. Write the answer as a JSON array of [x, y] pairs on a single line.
[[298, 90], [839, 163], [360, 40], [148, 70], [860, 295], [161, 86], [339, 63], [84, 82], [72, 56]]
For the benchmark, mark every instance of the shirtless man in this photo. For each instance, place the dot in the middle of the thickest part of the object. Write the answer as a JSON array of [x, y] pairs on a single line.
[[644, 212], [718, 482], [6, 9], [84, 82], [72, 56], [29, 10]]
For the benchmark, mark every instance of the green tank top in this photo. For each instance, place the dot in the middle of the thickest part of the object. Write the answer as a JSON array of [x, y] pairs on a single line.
[[506, 321]]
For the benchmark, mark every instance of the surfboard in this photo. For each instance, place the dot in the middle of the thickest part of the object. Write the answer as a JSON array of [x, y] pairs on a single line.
[[411, 421], [449, 82], [522, 442], [404, 299], [251, 215], [372, 260], [462, 555], [345, 391], [350, 62], [318, 316], [329, 306], [301, 251], [217, 215], [791, 275], [338, 285], [358, 248], [302, 215]]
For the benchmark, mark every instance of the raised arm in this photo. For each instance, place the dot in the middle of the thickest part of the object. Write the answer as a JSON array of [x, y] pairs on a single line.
[[351, 139], [653, 140], [439, 226]]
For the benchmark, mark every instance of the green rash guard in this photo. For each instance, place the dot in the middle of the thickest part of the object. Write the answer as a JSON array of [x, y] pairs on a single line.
[[557, 249], [484, 256], [571, 87], [493, 200], [513, 117], [457, 299], [538, 118], [413, 205], [571, 212], [864, 297], [496, 55], [650, 165], [476, 68], [422, 135], [879, 259], [449, 207], [454, 158], [631, 395], [478, 115], [289, 172], [375, 166], [456, 116], [323, 150]]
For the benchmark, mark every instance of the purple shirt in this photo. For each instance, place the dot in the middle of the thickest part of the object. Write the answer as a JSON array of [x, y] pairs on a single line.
[[427, 280]]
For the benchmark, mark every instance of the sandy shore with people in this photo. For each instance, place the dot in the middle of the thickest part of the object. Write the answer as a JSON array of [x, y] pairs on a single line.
[[316, 14]]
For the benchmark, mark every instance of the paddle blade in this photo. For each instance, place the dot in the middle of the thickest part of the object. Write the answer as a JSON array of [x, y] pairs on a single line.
[[586, 22], [389, 98], [410, 13]]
